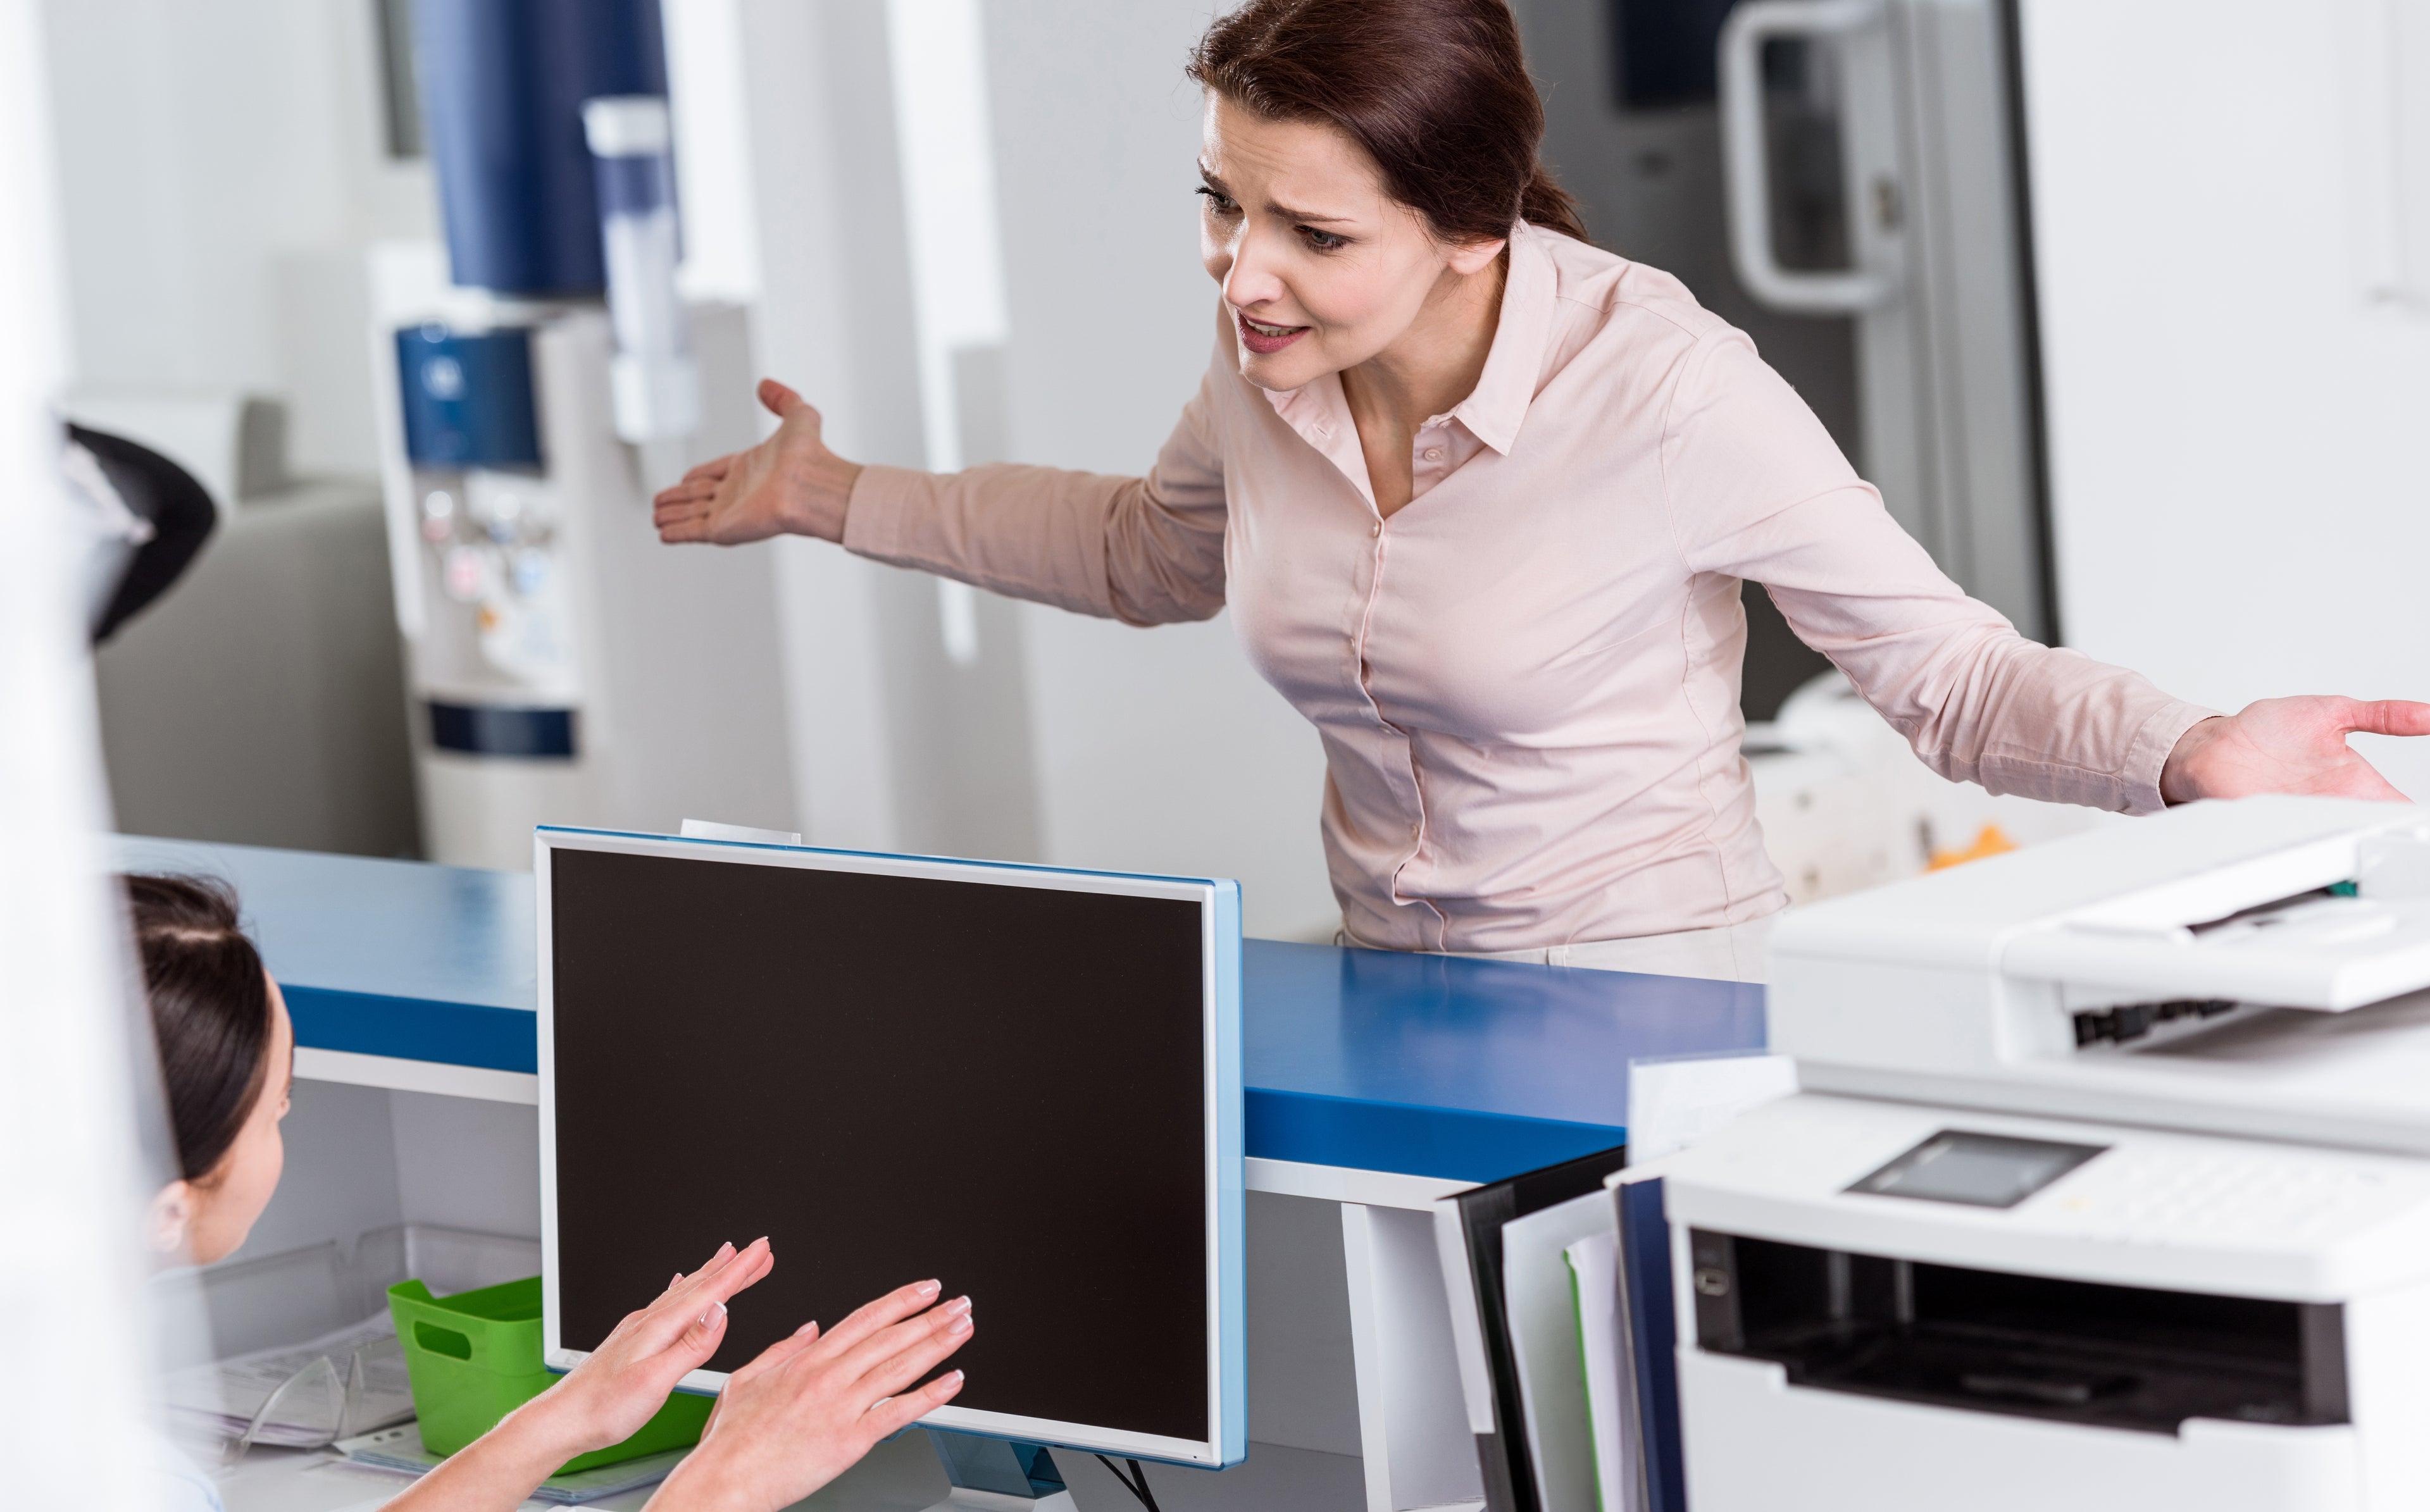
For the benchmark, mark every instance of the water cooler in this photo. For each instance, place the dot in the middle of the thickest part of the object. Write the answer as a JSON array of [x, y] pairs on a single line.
[[563, 666]]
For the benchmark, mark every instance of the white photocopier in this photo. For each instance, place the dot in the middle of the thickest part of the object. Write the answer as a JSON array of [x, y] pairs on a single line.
[[2109, 1185]]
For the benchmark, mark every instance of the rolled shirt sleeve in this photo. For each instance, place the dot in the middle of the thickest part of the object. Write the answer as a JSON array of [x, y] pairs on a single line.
[[1760, 491]]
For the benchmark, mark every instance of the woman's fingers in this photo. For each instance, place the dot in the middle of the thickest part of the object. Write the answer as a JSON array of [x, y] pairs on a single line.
[[700, 1337], [741, 1269], [689, 1305], [2388, 716], [778, 400], [896, 1414], [690, 490], [778, 1353], [906, 1353], [883, 1313]]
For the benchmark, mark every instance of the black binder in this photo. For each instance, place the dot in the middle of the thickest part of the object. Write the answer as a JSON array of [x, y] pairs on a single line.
[[1508, 1469]]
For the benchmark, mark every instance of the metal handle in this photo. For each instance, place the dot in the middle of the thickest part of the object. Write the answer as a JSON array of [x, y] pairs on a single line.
[[1748, 167]]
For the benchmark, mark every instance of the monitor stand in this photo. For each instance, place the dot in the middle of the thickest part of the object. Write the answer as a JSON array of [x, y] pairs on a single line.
[[998, 1475]]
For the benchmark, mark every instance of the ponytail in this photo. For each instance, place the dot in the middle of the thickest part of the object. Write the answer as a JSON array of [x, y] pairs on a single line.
[[1545, 203]]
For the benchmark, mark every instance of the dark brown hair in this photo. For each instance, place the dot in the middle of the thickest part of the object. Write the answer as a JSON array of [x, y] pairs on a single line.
[[209, 1001], [1435, 91]]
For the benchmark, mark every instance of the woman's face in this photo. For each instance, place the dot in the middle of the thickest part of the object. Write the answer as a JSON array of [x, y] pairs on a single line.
[[1320, 269], [221, 1207]]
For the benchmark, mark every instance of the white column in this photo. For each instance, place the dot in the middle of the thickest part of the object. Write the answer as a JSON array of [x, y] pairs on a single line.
[[71, 1354], [1414, 1427]]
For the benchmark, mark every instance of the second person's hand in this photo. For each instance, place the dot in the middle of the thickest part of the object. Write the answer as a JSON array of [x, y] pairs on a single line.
[[789, 484], [811, 1406], [605, 1401]]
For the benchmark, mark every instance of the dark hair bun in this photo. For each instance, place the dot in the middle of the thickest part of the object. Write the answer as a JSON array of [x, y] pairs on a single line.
[[209, 1001]]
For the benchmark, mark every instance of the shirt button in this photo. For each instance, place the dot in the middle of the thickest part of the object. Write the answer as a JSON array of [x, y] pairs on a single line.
[[1378, 530], [1434, 454]]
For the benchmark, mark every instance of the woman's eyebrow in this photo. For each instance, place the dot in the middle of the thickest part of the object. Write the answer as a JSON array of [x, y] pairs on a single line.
[[1286, 213], [1282, 213]]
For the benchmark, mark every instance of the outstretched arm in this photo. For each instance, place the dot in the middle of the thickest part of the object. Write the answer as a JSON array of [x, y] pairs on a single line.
[[605, 1401], [1779, 506], [1144, 550]]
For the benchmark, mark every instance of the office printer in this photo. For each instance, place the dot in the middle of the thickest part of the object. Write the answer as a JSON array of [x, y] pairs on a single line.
[[2253, 968], [2109, 1189]]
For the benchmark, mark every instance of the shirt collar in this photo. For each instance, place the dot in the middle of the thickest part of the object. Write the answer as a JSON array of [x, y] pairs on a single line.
[[1492, 412]]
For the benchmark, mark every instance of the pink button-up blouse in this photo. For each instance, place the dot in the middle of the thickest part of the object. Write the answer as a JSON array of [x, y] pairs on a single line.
[[1527, 678]]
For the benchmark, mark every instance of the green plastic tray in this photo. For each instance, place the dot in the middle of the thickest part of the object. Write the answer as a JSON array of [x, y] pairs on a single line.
[[475, 1356]]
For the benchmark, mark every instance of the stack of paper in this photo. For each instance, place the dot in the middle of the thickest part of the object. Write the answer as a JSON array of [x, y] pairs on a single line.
[[365, 1388]]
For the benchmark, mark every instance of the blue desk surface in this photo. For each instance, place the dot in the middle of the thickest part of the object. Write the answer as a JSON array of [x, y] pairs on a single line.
[[1373, 1059]]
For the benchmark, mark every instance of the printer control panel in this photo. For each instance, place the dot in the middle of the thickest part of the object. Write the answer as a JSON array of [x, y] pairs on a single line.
[[2123, 1204]]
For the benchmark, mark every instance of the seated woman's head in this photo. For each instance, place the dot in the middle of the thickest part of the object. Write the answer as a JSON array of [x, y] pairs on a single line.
[[226, 1063]]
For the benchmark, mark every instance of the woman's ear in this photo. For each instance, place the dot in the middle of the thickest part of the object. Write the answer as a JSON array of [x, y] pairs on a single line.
[[168, 1222], [1467, 258]]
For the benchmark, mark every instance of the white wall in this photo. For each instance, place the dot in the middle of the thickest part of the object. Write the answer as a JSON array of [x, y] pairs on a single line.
[[1160, 749], [224, 170], [1093, 744], [222, 166], [2237, 360]]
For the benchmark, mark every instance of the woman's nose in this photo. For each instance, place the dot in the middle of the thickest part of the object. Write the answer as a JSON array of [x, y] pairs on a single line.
[[1251, 280]]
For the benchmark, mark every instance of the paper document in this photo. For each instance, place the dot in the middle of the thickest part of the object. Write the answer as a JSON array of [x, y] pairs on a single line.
[[1594, 1279], [399, 1450], [1539, 1300], [1672, 1103], [367, 1389]]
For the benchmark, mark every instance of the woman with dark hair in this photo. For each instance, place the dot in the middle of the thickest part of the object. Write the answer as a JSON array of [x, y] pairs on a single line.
[[787, 1423], [1481, 498]]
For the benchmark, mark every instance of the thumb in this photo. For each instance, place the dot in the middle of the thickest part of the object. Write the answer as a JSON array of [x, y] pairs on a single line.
[[779, 401], [701, 1339], [2393, 716]]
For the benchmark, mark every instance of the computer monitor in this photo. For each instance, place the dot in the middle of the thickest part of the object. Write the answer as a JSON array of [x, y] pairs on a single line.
[[1021, 1080]]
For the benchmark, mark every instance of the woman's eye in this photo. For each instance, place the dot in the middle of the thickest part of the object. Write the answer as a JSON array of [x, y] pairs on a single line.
[[1220, 203], [1323, 241]]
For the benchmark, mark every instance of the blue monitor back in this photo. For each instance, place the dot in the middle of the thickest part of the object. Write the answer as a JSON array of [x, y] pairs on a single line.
[[1023, 1081]]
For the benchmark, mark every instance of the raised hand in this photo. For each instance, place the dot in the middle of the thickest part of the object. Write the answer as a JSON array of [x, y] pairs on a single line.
[[605, 1401], [2289, 745], [626, 1379], [811, 1406], [787, 484]]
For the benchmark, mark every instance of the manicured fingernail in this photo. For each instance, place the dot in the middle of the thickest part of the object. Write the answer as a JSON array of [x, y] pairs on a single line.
[[961, 1325], [808, 1327], [715, 1311], [928, 1288], [954, 1378], [956, 1308]]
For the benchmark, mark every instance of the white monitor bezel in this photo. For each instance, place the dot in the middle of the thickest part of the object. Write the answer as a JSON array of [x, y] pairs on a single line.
[[1218, 927]]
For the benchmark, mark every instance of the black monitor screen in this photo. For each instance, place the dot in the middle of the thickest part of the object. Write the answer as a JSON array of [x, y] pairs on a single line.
[[893, 1078]]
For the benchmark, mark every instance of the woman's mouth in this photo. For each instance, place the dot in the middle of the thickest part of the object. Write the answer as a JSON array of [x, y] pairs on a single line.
[[1263, 339]]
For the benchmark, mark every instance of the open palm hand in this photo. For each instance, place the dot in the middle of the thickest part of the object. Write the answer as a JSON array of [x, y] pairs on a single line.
[[788, 483], [2295, 745]]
